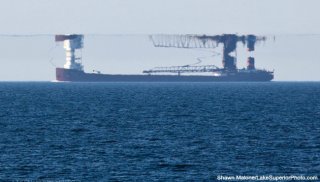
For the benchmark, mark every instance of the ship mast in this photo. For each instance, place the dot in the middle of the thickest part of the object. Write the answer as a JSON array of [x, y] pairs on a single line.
[[71, 43]]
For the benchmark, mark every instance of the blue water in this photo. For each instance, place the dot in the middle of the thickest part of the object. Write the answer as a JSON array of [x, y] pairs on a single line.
[[158, 131]]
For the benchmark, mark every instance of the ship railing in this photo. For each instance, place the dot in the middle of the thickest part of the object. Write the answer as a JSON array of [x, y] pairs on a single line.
[[184, 69]]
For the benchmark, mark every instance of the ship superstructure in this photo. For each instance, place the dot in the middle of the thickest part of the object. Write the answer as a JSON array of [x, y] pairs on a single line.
[[229, 61], [71, 43]]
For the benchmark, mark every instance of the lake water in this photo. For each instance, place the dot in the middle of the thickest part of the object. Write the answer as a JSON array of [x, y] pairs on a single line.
[[158, 131]]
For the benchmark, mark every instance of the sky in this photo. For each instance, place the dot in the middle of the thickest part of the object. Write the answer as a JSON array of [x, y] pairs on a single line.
[[26, 58]]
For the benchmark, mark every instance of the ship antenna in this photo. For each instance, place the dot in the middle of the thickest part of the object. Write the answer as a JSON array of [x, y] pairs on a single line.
[[52, 55], [52, 63]]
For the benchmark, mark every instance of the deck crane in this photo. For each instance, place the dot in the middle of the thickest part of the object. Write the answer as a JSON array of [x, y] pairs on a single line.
[[187, 41]]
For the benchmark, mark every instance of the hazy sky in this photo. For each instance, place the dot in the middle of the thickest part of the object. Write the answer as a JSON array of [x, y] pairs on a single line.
[[159, 16], [27, 58]]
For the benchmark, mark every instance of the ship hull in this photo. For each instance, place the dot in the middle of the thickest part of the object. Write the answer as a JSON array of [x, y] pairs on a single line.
[[80, 76]]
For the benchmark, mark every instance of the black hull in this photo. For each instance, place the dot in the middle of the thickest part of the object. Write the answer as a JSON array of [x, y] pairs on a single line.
[[80, 76]]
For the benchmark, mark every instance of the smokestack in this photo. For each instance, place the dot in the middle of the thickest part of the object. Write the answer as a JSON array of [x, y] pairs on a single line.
[[250, 63]]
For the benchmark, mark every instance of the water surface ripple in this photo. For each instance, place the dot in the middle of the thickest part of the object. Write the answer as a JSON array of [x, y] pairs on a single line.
[[158, 131]]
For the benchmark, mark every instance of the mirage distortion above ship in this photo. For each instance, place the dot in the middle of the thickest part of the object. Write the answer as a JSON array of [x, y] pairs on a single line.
[[73, 69]]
